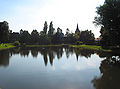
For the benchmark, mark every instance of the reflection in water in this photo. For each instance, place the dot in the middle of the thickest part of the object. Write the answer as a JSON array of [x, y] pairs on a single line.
[[110, 70], [48, 53], [4, 58]]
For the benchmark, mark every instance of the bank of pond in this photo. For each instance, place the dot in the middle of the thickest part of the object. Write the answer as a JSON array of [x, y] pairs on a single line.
[[90, 47]]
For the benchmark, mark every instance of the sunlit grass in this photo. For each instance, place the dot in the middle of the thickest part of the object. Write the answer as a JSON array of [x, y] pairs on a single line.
[[92, 47], [6, 46]]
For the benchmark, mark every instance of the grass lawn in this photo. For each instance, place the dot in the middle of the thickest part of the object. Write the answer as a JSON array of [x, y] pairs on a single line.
[[92, 47], [6, 46]]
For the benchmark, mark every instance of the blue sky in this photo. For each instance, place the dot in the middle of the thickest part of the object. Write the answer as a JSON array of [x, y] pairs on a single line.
[[31, 14]]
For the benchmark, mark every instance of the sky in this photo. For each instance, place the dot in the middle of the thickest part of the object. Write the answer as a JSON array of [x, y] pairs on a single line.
[[31, 14]]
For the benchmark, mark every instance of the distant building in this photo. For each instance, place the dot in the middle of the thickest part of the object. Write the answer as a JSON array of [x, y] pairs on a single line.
[[77, 29], [98, 39]]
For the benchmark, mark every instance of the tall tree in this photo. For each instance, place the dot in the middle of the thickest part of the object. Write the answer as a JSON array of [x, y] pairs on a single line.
[[51, 29], [45, 28], [58, 37], [109, 19], [67, 32], [4, 32]]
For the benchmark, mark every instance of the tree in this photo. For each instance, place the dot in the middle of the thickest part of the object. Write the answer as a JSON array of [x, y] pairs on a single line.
[[58, 36], [109, 20], [87, 37], [34, 36], [44, 39], [25, 37], [4, 32], [51, 29], [67, 32], [45, 28]]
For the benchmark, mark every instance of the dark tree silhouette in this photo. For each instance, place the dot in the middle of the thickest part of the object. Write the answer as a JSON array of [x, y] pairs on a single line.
[[87, 37], [45, 28], [51, 29], [25, 37], [4, 32], [108, 18], [35, 37]]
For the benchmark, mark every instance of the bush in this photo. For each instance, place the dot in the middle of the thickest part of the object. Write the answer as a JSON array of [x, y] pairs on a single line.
[[23, 45], [16, 43], [79, 43]]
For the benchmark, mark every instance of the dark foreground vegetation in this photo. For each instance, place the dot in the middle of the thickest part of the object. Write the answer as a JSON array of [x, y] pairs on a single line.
[[108, 19]]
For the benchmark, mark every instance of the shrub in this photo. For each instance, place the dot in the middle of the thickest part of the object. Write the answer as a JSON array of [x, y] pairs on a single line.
[[79, 43], [24, 44], [16, 43]]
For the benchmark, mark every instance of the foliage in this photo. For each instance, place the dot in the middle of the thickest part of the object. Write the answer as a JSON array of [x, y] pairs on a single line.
[[87, 37], [25, 37], [51, 29], [58, 37], [79, 43], [108, 18], [44, 39], [50, 37], [4, 32], [45, 28], [16, 43], [69, 39], [23, 45], [34, 37]]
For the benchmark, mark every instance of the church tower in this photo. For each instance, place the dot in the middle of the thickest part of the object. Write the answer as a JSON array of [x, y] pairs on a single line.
[[77, 29]]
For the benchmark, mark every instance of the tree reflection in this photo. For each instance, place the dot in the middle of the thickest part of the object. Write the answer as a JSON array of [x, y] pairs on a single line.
[[44, 53], [83, 52], [4, 58], [34, 53], [24, 53], [48, 53], [110, 70], [69, 51]]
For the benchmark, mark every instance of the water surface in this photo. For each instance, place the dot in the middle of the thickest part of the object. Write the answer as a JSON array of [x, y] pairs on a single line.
[[58, 68]]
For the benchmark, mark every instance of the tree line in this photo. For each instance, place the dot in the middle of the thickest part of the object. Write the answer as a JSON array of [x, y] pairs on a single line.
[[49, 35]]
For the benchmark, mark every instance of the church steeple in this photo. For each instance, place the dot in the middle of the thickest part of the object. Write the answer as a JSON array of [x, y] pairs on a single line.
[[77, 29]]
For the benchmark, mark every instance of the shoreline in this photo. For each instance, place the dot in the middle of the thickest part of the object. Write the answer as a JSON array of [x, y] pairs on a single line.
[[89, 47]]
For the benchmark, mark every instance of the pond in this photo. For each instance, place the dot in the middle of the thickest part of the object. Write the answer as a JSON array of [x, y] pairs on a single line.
[[58, 68]]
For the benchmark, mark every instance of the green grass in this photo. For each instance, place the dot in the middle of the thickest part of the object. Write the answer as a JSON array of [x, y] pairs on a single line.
[[91, 47], [6, 46]]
